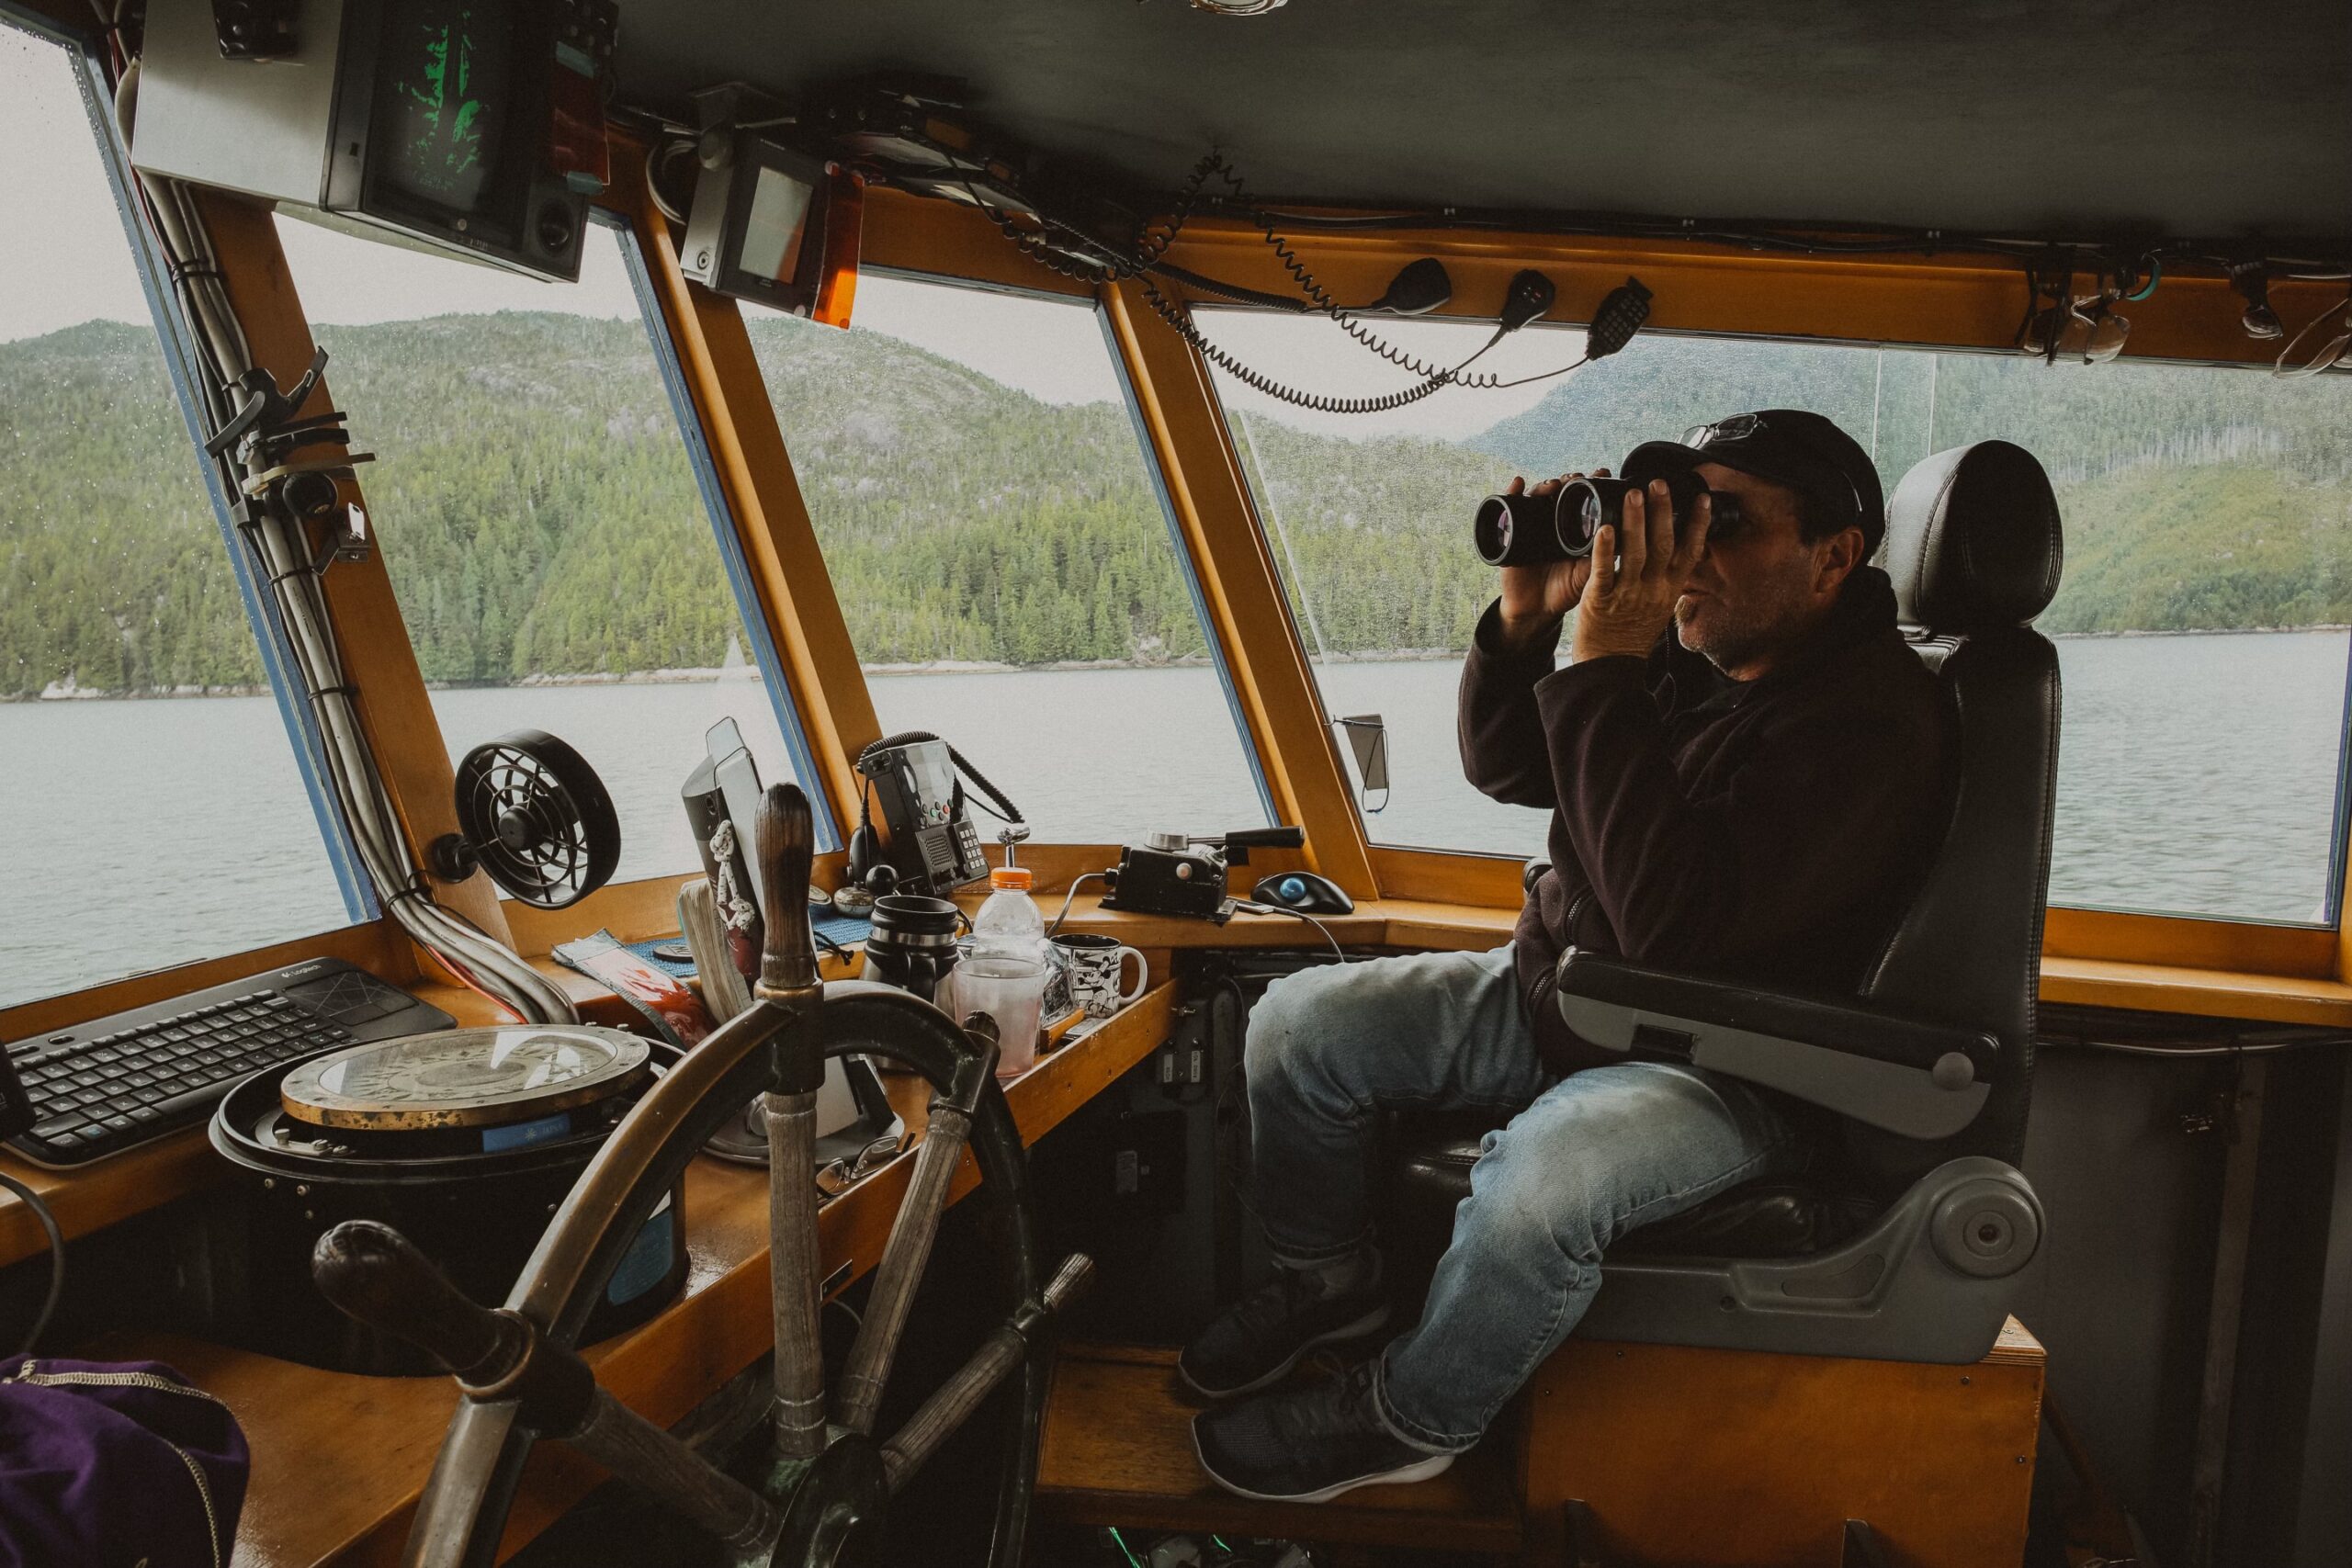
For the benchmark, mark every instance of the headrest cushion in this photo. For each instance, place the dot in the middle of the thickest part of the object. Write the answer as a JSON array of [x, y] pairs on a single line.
[[1973, 540]]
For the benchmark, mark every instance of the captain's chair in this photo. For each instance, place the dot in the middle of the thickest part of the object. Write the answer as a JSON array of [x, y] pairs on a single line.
[[1905, 1240]]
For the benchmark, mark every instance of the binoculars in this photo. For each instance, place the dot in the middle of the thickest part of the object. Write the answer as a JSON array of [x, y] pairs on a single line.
[[1534, 530]]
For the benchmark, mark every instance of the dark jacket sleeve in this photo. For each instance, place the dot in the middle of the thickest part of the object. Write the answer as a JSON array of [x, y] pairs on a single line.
[[1798, 834], [1499, 726]]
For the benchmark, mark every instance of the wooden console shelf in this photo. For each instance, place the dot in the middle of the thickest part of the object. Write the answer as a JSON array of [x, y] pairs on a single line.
[[116, 1189], [339, 1460]]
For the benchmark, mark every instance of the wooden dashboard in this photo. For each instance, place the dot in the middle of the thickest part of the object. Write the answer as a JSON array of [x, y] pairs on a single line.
[[339, 1459], [145, 1179]]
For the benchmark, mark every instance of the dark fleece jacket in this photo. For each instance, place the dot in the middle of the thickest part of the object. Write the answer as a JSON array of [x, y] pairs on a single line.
[[1765, 830]]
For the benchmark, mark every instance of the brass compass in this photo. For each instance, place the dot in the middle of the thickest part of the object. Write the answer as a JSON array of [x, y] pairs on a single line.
[[464, 1078]]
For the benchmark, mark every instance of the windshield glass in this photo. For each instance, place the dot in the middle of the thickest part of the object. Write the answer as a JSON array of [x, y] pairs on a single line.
[[2201, 623]]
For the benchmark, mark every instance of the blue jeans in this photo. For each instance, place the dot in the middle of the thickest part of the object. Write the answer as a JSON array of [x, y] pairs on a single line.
[[1585, 1159]]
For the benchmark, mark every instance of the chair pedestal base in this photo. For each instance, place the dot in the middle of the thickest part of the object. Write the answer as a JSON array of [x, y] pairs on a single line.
[[1700, 1457]]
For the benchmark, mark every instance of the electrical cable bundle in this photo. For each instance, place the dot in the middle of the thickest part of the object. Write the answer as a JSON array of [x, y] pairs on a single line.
[[1106, 263], [293, 575]]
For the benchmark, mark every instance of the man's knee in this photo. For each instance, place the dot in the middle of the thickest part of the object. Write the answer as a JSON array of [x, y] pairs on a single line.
[[1611, 1148], [1295, 1025], [1531, 1191], [1565, 1170]]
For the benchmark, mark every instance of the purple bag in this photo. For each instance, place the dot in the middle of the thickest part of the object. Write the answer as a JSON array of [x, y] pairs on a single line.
[[114, 1464]]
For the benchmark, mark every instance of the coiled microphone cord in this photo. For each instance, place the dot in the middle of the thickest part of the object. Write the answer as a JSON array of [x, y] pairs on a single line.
[[1152, 245]]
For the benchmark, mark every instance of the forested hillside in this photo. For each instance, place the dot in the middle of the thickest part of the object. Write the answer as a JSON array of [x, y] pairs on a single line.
[[963, 520], [2192, 500], [111, 564], [540, 516], [1373, 538]]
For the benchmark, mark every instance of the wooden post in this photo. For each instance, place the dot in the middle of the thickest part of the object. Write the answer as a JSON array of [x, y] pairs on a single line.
[[779, 542], [394, 707], [1249, 616]]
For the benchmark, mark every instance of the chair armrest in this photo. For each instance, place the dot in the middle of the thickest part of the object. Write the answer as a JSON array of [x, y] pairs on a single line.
[[1909, 1075]]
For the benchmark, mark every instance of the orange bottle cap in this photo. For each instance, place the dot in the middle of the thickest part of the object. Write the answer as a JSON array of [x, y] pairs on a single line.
[[1013, 876]]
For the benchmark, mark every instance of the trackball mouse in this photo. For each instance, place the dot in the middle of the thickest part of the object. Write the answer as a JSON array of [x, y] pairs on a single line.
[[1302, 891]]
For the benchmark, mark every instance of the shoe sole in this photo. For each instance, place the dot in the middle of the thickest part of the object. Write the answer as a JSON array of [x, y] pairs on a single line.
[[1376, 1319], [1422, 1470]]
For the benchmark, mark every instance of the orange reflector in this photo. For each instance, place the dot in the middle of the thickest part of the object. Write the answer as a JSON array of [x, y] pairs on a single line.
[[845, 230]]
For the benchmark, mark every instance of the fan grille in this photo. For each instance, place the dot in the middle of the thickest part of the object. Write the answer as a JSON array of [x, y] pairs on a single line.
[[539, 817]]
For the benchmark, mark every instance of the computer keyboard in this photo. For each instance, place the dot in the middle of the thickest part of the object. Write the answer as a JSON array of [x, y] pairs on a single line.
[[114, 1083]]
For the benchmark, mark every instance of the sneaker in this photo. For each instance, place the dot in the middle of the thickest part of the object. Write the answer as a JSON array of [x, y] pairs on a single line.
[[1260, 1337], [1309, 1444]]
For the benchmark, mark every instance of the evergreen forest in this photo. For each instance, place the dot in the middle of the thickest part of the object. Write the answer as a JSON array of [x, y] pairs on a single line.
[[540, 516]]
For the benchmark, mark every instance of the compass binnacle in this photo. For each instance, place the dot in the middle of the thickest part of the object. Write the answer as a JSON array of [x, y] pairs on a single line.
[[464, 1078]]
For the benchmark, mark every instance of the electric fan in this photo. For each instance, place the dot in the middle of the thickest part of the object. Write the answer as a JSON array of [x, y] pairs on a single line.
[[533, 814]]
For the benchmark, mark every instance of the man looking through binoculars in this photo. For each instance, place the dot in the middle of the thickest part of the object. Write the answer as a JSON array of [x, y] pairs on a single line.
[[1741, 759]]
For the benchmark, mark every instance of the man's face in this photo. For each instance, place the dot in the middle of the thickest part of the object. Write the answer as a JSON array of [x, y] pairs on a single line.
[[1755, 595]]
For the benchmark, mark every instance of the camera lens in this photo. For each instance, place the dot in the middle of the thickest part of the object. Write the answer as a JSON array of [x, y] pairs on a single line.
[[1589, 519], [1585, 505], [1492, 530], [1518, 530]]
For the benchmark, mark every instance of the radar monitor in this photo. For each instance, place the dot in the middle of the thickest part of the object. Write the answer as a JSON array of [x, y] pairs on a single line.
[[446, 91], [431, 123]]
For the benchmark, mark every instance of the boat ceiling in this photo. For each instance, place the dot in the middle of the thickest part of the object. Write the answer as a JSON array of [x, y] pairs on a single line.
[[2096, 119]]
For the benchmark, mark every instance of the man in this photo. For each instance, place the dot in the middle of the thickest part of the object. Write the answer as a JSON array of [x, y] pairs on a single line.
[[1742, 759]]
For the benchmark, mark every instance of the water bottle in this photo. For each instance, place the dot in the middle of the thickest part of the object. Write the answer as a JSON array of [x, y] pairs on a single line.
[[1005, 976]]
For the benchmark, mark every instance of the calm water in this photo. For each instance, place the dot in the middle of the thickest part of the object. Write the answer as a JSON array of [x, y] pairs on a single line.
[[2198, 774]]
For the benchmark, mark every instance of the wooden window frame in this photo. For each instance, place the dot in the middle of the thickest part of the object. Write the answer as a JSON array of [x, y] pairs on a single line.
[[363, 939], [1951, 302]]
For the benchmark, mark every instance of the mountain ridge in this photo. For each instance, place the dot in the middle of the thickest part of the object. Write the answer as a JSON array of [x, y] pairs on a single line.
[[540, 516]]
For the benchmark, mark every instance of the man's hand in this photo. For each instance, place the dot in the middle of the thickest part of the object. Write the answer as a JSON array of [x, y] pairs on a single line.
[[1535, 597], [1629, 597]]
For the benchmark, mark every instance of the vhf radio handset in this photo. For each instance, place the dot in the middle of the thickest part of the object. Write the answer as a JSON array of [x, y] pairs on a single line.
[[931, 845], [1172, 875]]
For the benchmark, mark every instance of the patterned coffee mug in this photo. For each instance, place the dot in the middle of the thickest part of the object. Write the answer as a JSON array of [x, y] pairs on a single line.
[[1096, 964]]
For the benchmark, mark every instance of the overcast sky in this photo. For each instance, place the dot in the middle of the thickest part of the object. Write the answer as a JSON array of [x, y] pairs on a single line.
[[73, 266]]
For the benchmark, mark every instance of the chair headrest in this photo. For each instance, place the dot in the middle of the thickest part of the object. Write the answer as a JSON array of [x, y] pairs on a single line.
[[1973, 540]]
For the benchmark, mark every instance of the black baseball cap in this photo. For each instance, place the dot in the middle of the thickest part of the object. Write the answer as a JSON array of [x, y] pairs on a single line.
[[1794, 448]]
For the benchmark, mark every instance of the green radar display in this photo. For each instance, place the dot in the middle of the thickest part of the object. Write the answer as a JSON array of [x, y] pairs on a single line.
[[446, 84]]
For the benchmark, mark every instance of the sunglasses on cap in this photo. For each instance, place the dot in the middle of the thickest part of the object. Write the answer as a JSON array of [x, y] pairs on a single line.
[[1746, 426]]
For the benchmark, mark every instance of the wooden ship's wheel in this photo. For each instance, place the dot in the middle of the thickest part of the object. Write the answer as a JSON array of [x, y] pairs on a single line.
[[828, 1492]]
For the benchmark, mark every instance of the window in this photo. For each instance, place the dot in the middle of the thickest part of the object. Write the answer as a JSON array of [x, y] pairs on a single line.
[[543, 519], [134, 702], [1002, 558], [2199, 624]]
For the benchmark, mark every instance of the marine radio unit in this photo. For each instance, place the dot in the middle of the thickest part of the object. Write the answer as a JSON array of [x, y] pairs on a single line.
[[1172, 875]]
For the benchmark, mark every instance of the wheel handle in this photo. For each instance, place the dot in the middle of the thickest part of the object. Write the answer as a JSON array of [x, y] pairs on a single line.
[[376, 1275], [372, 1272], [788, 847]]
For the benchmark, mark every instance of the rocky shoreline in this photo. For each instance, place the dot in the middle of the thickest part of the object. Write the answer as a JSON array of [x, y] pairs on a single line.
[[68, 690]]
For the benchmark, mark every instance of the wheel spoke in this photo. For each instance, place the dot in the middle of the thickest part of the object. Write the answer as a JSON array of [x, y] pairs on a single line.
[[908, 1248], [793, 1272], [643, 1454], [954, 1401]]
